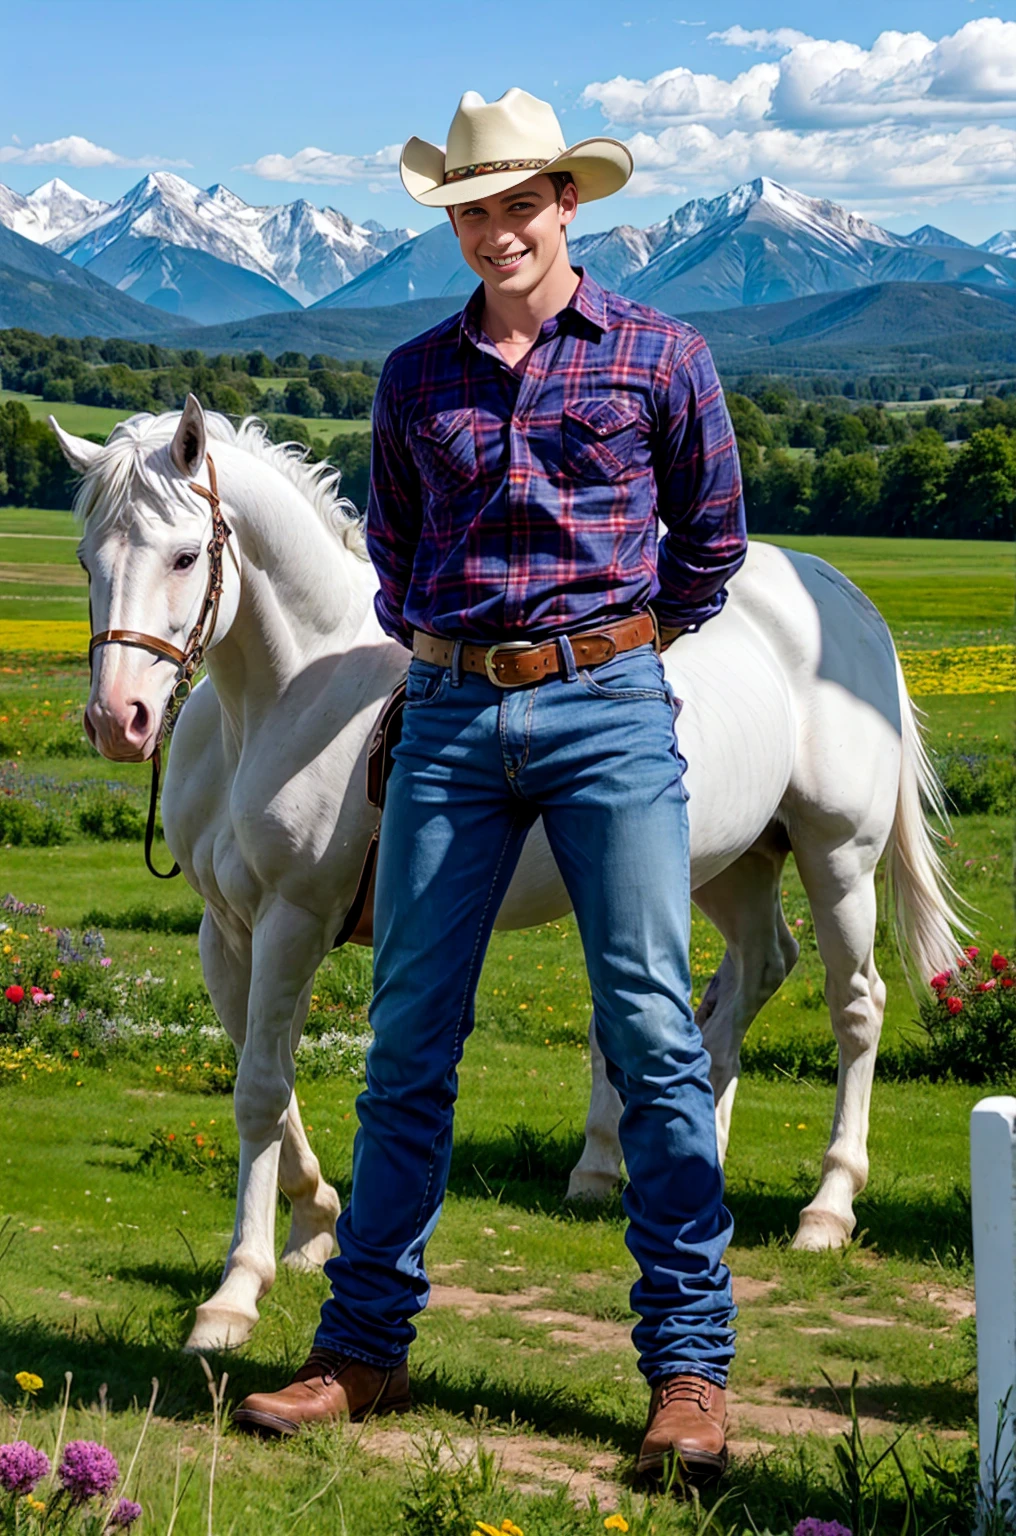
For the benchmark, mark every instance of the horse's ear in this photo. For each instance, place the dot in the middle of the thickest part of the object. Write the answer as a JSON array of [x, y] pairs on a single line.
[[78, 451], [187, 449]]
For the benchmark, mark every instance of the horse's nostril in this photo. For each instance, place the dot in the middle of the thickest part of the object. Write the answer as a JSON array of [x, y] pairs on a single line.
[[139, 725]]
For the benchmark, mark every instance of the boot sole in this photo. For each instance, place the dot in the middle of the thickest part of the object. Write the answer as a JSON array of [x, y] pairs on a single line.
[[273, 1426], [697, 1467]]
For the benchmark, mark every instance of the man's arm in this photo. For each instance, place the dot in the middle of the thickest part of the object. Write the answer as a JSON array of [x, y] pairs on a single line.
[[394, 517], [698, 479]]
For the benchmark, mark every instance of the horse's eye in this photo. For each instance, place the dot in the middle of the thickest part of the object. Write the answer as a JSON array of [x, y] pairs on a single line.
[[183, 562]]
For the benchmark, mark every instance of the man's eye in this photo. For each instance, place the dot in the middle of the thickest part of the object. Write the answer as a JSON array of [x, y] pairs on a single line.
[[183, 562]]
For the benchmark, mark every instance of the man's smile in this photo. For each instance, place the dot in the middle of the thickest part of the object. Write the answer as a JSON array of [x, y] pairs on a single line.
[[504, 263]]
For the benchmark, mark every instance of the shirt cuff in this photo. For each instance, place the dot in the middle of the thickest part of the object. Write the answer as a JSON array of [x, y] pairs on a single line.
[[677, 615]]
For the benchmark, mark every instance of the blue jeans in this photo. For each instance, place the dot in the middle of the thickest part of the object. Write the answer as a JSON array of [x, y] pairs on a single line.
[[594, 753]]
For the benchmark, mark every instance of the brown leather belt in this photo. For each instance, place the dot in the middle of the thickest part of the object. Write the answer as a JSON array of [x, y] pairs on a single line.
[[519, 663]]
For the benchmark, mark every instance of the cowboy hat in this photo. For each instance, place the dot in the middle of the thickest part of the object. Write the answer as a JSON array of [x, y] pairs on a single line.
[[493, 146]]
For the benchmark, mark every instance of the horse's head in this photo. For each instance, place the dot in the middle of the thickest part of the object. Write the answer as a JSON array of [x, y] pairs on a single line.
[[145, 549]]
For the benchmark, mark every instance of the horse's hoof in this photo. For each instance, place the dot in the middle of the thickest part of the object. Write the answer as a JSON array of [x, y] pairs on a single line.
[[308, 1257], [587, 1185], [819, 1231], [218, 1328]]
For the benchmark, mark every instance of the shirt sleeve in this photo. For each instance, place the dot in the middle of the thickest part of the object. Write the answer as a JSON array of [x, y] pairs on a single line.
[[394, 514], [700, 502]]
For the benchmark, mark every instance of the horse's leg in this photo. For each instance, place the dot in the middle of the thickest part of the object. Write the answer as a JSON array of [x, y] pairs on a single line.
[[743, 902], [840, 882], [598, 1170], [315, 1204], [264, 1090]]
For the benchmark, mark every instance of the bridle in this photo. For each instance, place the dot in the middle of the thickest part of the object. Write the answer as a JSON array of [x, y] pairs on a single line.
[[186, 661]]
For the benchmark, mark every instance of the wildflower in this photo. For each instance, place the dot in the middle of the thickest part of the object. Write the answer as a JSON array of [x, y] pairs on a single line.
[[1009, 981], [972, 952], [87, 1469], [815, 1527], [35, 1505], [510, 1529], [57, 975], [21, 1466], [123, 1515], [105, 960], [999, 962], [39, 997], [28, 1381], [15, 994], [954, 1004], [941, 980], [615, 1523], [986, 986]]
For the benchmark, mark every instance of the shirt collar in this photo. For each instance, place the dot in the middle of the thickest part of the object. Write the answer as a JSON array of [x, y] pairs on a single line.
[[589, 301]]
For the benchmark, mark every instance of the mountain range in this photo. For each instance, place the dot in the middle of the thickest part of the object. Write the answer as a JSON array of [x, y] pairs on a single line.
[[169, 254]]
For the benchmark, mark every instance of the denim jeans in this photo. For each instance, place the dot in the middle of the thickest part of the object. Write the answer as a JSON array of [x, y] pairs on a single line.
[[594, 753]]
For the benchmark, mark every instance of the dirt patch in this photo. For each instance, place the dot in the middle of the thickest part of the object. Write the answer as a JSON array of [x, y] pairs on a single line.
[[565, 1327], [747, 1289], [956, 1302], [855, 1320]]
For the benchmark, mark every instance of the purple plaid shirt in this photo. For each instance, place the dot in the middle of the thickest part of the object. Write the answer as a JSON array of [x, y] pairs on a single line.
[[507, 506]]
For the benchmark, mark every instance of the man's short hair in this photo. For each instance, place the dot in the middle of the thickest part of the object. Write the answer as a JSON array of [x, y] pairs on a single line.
[[561, 179]]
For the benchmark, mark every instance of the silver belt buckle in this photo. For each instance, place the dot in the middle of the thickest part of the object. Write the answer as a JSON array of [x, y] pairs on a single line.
[[488, 660]]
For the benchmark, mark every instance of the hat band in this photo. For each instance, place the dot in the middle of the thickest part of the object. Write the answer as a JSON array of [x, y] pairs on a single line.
[[493, 167]]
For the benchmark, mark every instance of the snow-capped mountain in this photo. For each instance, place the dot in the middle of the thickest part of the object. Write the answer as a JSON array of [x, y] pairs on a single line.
[[930, 234], [1002, 244], [305, 251], [47, 212]]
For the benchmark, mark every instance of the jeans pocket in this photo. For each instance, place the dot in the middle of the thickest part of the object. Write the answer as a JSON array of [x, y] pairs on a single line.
[[636, 674], [425, 682]]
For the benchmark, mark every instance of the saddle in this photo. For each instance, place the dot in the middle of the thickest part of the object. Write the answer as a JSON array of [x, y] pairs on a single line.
[[358, 927]]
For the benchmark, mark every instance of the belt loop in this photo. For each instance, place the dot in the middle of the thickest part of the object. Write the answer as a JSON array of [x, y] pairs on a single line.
[[569, 668], [456, 664]]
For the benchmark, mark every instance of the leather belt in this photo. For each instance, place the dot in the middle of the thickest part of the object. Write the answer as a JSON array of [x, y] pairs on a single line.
[[520, 663]]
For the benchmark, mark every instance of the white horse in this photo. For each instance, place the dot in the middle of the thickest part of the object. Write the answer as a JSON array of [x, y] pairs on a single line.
[[796, 725]]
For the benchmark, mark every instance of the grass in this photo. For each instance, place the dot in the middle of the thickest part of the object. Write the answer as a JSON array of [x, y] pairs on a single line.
[[111, 1253]]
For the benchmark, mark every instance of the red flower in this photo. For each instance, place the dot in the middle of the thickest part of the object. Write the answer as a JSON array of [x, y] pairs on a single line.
[[986, 986], [15, 994], [972, 952], [962, 964], [1009, 981], [998, 962], [954, 1004], [941, 980]]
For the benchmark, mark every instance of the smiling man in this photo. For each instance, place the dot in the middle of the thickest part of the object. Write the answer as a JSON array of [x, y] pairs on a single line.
[[522, 453]]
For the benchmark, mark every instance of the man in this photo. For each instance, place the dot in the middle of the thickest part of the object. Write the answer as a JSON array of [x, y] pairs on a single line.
[[521, 453]]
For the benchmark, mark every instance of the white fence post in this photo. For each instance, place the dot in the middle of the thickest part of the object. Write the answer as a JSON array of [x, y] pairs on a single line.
[[993, 1209]]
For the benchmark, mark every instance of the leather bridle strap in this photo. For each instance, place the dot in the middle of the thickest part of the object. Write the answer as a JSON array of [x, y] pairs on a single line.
[[188, 660]]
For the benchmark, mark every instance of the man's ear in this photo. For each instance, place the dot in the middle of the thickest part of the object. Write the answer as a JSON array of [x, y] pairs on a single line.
[[451, 219], [569, 202]]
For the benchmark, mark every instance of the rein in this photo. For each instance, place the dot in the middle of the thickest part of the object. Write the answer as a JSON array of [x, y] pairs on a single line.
[[186, 661]]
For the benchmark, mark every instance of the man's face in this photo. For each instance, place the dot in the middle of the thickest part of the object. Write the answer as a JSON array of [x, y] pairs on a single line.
[[512, 240]]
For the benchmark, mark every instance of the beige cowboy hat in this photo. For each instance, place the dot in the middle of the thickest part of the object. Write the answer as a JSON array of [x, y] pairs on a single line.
[[494, 145]]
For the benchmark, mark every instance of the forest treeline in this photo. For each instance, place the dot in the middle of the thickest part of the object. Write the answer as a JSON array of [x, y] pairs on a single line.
[[812, 461]]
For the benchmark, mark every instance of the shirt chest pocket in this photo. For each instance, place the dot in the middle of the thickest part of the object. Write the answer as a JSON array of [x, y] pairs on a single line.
[[600, 437], [444, 450]]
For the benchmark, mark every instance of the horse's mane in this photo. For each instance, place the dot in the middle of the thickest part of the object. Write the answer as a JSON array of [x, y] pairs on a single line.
[[120, 476]]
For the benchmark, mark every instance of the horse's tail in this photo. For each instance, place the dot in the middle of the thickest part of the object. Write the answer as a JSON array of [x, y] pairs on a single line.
[[924, 901]]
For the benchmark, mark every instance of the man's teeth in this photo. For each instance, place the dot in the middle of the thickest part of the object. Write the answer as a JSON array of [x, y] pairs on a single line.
[[507, 261]]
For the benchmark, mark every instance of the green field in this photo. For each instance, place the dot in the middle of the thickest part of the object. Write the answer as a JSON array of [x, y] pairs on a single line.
[[102, 419], [530, 1319]]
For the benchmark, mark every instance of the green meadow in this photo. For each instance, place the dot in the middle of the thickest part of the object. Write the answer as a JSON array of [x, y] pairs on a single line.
[[528, 1404]]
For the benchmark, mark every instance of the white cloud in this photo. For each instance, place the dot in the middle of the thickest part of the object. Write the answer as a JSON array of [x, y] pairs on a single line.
[[905, 166], [321, 167], [906, 77], [80, 153]]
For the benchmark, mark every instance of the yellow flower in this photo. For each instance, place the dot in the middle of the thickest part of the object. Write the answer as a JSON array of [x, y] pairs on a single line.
[[28, 1381], [510, 1529], [35, 1504], [615, 1523], [483, 1529]]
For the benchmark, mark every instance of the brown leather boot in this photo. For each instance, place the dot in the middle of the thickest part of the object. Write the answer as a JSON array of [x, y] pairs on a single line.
[[327, 1388], [686, 1416]]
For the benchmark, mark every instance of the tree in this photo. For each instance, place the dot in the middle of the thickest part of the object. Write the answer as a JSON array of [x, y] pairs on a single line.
[[750, 426], [780, 497], [845, 493], [303, 400], [847, 433], [982, 486], [259, 366], [351, 454], [914, 477]]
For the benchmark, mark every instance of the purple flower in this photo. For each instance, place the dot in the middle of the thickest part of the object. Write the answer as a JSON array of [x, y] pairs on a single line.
[[123, 1515], [813, 1526], [21, 1467], [87, 1469]]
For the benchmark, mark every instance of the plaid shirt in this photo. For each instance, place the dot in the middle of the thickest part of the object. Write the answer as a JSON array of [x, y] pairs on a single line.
[[507, 506]]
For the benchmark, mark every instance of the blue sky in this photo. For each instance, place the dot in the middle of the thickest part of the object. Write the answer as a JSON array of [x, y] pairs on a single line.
[[904, 110]]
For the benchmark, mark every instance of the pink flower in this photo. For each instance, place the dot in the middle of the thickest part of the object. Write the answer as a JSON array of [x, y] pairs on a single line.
[[105, 960], [986, 986], [38, 998], [972, 952], [954, 1004]]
